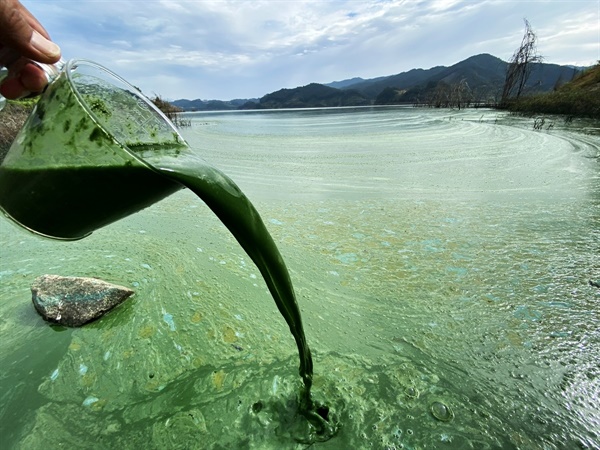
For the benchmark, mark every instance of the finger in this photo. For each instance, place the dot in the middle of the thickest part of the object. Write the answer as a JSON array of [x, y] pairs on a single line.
[[33, 22], [13, 26], [33, 79], [24, 78], [12, 88], [19, 31], [8, 56], [41, 49]]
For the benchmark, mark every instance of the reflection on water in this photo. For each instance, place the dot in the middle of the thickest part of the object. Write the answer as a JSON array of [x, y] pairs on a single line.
[[442, 264]]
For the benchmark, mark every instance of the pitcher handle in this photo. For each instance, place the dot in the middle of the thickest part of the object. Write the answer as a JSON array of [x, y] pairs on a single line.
[[50, 70]]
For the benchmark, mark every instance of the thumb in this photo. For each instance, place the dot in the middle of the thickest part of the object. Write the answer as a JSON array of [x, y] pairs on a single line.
[[19, 33], [41, 49]]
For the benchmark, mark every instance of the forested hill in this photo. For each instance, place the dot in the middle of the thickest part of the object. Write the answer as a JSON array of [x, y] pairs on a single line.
[[579, 97], [313, 95], [477, 79]]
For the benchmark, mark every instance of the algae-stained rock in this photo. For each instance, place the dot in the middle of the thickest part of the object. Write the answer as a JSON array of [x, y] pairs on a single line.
[[74, 301]]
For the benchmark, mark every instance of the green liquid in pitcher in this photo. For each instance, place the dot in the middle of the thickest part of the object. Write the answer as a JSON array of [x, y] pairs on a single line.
[[97, 196]]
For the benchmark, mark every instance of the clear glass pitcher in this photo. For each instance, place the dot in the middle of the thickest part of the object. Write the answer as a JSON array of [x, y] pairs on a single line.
[[51, 71], [81, 159]]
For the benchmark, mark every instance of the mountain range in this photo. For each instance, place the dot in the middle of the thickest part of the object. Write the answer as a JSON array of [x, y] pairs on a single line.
[[480, 78]]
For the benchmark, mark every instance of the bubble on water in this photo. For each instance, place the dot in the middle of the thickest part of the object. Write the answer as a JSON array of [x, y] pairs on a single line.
[[411, 393], [441, 412], [257, 407]]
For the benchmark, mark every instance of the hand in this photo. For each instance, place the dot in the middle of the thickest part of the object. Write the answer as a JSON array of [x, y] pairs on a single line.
[[22, 40]]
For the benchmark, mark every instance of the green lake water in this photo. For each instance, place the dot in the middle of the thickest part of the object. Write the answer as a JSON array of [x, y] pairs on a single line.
[[441, 261]]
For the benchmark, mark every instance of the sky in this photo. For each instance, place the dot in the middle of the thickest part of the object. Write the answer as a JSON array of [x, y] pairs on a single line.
[[232, 49]]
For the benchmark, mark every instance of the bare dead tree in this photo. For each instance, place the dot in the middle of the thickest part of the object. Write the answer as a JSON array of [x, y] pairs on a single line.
[[461, 96], [440, 96], [171, 111], [519, 67]]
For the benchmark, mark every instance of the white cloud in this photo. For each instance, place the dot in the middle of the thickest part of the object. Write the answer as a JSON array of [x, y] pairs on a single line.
[[219, 48]]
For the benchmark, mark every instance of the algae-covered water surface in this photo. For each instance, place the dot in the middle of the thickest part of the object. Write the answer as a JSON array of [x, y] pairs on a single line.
[[442, 262]]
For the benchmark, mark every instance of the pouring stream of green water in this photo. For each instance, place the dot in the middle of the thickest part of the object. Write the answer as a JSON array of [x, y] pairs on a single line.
[[242, 219]]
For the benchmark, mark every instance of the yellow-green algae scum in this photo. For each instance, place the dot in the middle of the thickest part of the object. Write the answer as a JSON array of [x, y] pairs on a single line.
[[448, 307]]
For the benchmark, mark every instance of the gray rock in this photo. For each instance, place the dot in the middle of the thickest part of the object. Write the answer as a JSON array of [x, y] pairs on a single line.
[[74, 301]]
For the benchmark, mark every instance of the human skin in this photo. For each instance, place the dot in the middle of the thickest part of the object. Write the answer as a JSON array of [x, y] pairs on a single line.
[[23, 40]]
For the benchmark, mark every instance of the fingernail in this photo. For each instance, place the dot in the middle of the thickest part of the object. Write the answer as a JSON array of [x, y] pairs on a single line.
[[45, 46]]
